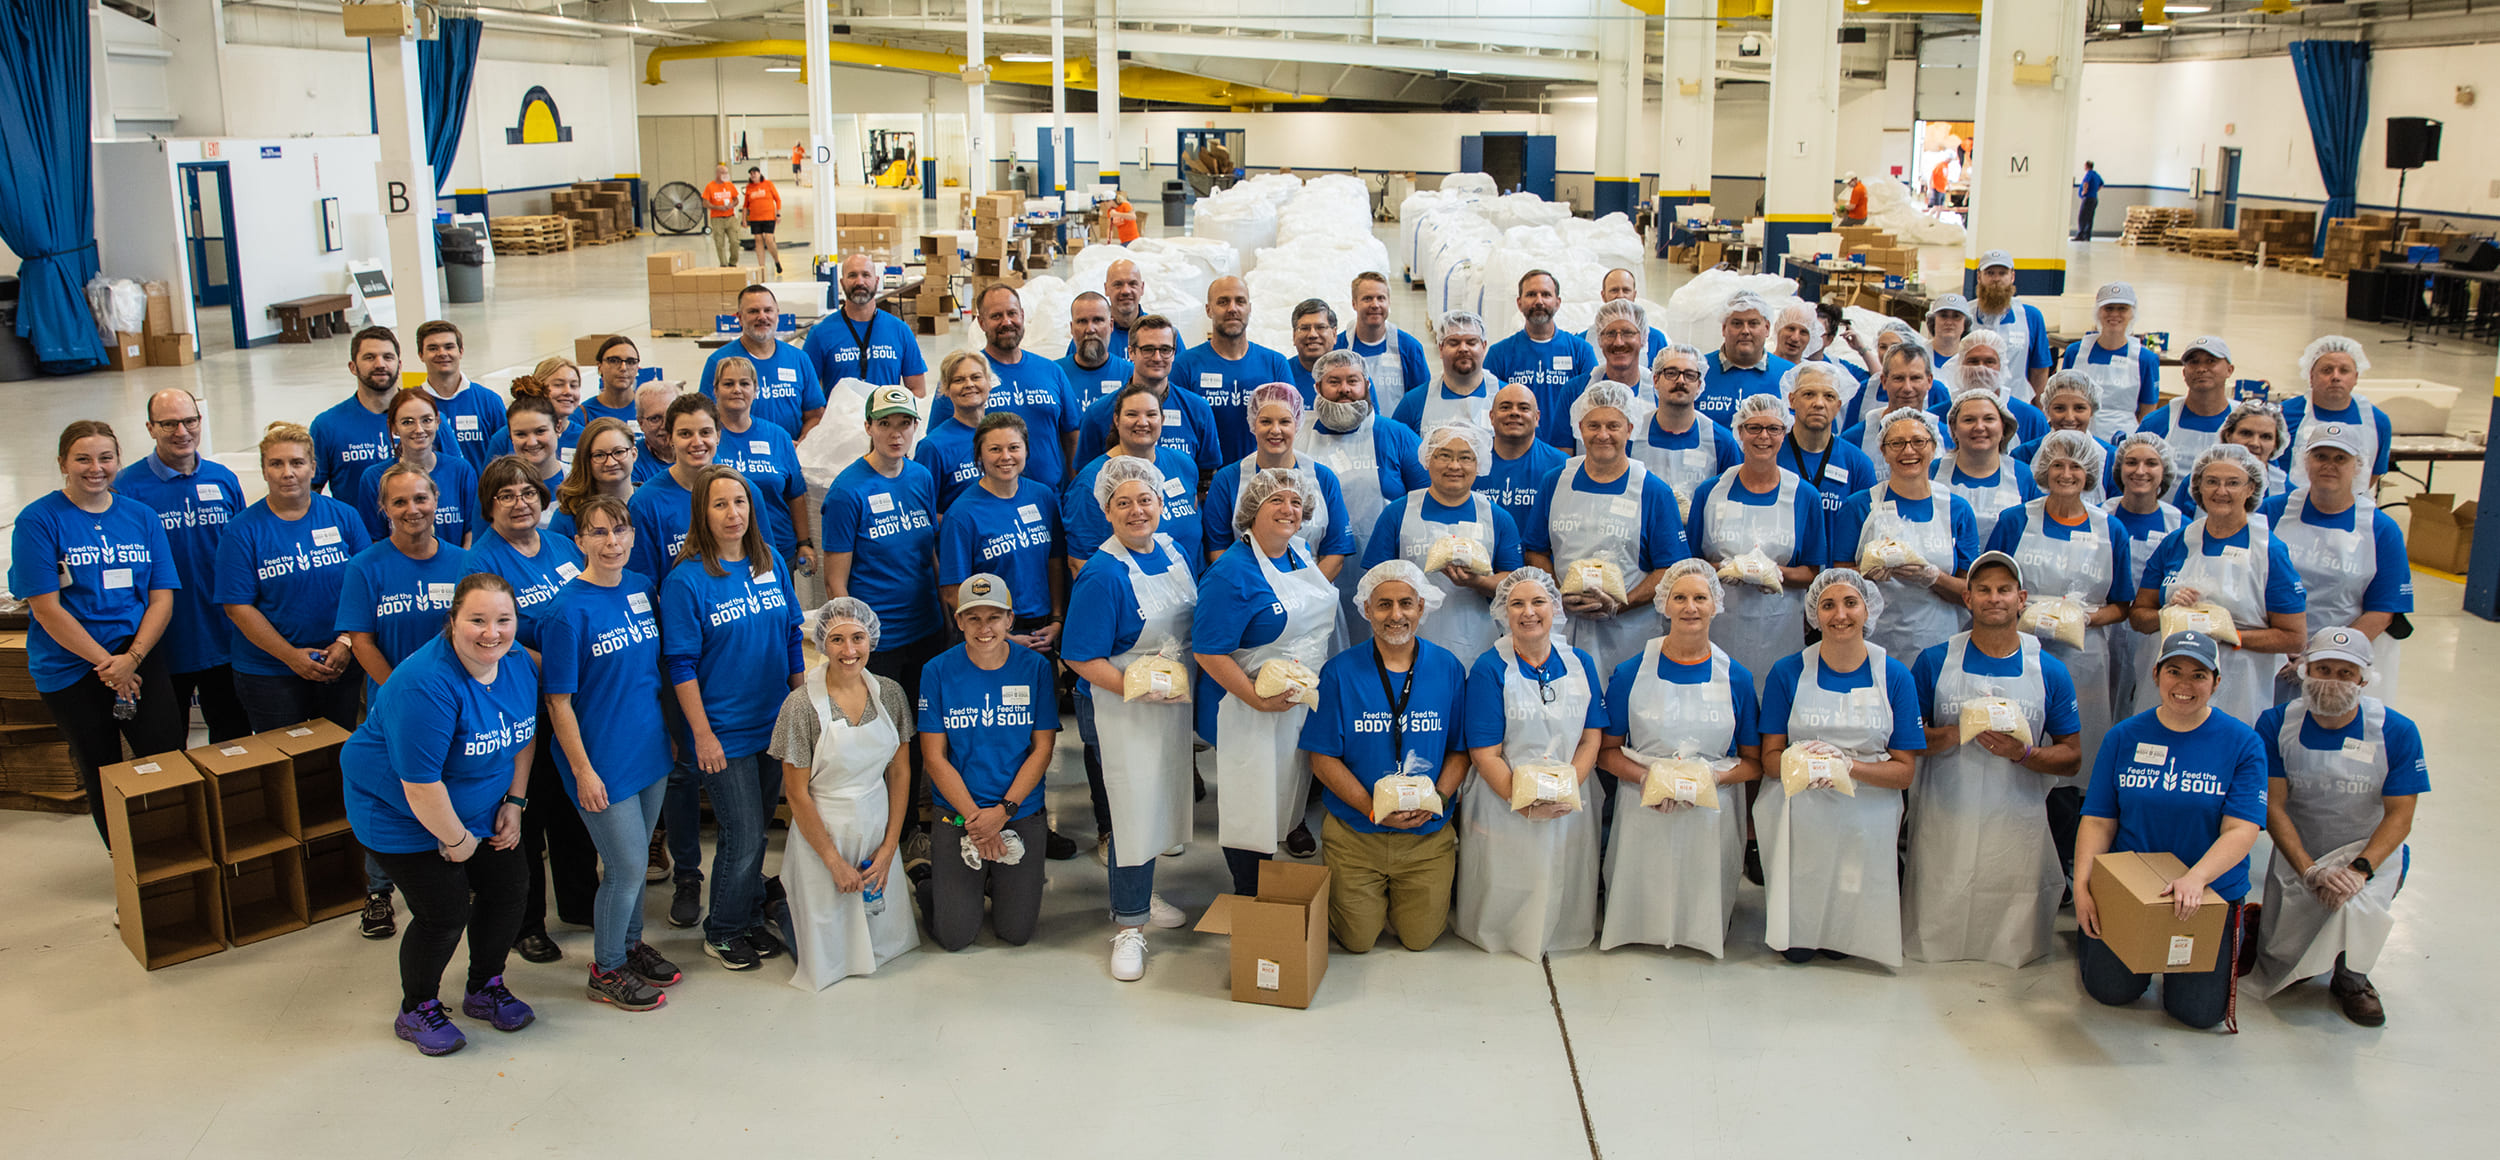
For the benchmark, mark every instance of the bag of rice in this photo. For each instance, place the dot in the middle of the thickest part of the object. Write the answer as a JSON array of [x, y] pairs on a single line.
[[1544, 783], [1994, 715], [1801, 768], [1465, 551], [1399, 792], [1287, 676], [2061, 619], [2205, 617], [1887, 552], [1601, 575], [1157, 676], [1751, 567], [1688, 780]]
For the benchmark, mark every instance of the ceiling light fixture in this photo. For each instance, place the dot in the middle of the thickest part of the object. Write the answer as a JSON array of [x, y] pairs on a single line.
[[2186, 9], [1466, 72], [1577, 100], [1025, 57], [781, 68]]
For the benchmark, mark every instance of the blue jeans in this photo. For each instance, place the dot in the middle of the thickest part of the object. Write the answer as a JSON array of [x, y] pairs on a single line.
[[2199, 1000], [1132, 888], [622, 833], [743, 795]]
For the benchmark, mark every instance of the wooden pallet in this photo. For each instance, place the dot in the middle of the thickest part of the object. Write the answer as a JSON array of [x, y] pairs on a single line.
[[2150, 225]]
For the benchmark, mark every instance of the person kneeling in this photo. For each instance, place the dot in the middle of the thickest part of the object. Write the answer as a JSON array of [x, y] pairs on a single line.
[[988, 717]]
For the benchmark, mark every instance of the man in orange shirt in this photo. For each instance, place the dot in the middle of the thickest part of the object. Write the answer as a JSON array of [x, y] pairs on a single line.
[[1853, 212], [763, 213], [721, 198]]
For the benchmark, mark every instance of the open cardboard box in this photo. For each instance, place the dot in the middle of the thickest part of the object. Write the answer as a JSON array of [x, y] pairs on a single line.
[[172, 920], [320, 794], [334, 877], [265, 897], [2141, 927], [157, 815], [2439, 532], [252, 811], [1280, 938]]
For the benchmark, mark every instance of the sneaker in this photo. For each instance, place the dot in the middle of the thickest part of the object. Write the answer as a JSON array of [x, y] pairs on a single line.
[[686, 908], [536, 947], [1058, 847], [380, 922], [645, 960], [495, 1004], [429, 1028], [916, 854], [734, 953], [1300, 843], [659, 858], [623, 990], [1128, 954], [1102, 849], [767, 943], [1753, 861], [1163, 915]]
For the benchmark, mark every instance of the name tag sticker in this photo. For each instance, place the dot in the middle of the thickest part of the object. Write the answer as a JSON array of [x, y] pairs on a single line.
[[2360, 749], [1885, 507], [1109, 385], [880, 502], [786, 374], [464, 422], [2146, 751], [1562, 362], [1836, 474], [117, 578], [1016, 695], [2235, 554], [1174, 488], [638, 602], [325, 537], [440, 593], [759, 447], [1171, 417], [769, 579], [209, 492], [1625, 506], [1210, 381], [1029, 513], [567, 572]]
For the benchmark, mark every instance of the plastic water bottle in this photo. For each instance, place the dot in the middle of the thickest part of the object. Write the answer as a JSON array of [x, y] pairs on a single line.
[[125, 707], [873, 897]]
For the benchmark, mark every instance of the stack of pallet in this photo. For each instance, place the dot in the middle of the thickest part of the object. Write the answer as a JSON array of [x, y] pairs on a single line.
[[2147, 225], [523, 234], [2278, 233], [2219, 244], [602, 210], [36, 769]]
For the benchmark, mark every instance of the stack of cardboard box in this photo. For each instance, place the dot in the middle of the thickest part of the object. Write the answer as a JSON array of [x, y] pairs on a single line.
[[602, 210], [1881, 250], [999, 241], [878, 235], [688, 300], [2282, 232], [935, 307], [36, 769], [167, 331], [2355, 243]]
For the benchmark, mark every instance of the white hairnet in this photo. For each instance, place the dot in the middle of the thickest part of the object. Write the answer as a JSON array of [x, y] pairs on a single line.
[[1521, 576], [1868, 591], [1264, 486], [2238, 456], [1460, 320], [1828, 374], [1897, 326], [1883, 429], [1285, 393], [2270, 412], [2333, 344], [1752, 406], [2078, 447], [1692, 566], [1402, 571], [1608, 393], [1658, 362], [1623, 310], [1803, 313], [1331, 360], [2005, 415], [1120, 469], [2069, 382], [2160, 447], [1987, 338], [1477, 440], [1743, 302], [837, 611]]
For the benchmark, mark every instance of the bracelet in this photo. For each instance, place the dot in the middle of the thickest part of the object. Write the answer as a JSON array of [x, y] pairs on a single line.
[[448, 847]]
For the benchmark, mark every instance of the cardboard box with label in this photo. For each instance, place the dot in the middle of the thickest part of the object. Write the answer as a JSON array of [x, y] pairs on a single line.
[[129, 351], [1280, 938], [2439, 532], [252, 811], [2141, 927], [320, 789]]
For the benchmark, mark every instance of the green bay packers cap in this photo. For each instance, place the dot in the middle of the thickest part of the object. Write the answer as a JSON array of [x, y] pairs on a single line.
[[890, 400]]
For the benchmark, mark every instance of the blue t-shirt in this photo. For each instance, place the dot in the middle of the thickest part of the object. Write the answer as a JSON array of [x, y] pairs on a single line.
[[2159, 421], [889, 528], [535, 579], [104, 566], [470, 418], [2037, 354], [1514, 484], [402, 602], [194, 510], [1949, 472], [2171, 791], [1226, 384], [1414, 369], [2029, 423], [629, 414], [1016, 539], [1849, 524], [2284, 591], [1779, 695], [1410, 409], [434, 723], [1337, 539], [2391, 586], [1090, 387], [1488, 719], [601, 646], [663, 510], [1354, 720], [1722, 387], [988, 717], [1809, 518], [1111, 623], [2015, 522], [1662, 533], [2091, 184], [647, 465], [2296, 411], [2408, 767], [1724, 453], [455, 500], [1740, 695], [568, 439], [834, 352], [1549, 368], [2059, 717], [1397, 462], [291, 570], [1237, 609], [946, 450], [1188, 427], [347, 438], [786, 387], [1032, 387], [2029, 456], [2147, 364], [737, 637], [764, 454], [1084, 528], [1383, 545]]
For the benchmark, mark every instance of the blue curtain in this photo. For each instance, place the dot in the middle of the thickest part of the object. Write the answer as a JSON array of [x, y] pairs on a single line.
[[47, 192], [2334, 80], [444, 66]]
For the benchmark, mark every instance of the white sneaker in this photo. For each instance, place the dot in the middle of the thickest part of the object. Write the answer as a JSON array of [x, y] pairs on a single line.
[[1128, 955], [1163, 915], [1102, 850]]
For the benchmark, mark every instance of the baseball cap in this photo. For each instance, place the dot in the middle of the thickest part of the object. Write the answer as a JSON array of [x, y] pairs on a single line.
[[983, 590], [1995, 258], [2193, 645], [1996, 559], [2342, 436], [2338, 643], [2210, 345], [1954, 302], [890, 399], [2114, 294]]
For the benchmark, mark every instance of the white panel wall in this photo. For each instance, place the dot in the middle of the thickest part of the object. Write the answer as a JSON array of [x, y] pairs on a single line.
[[277, 215], [580, 94], [283, 92]]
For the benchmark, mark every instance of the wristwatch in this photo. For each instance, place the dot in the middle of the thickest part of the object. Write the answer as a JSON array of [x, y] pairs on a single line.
[[2367, 871], [806, 542], [514, 799]]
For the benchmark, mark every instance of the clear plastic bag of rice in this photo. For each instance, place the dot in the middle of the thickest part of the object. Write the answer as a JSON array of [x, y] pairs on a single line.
[[1994, 715], [1594, 574], [1285, 676], [1400, 792], [2061, 619], [1753, 567], [1544, 783], [2205, 617], [1815, 766], [1158, 676], [1465, 551], [1683, 780]]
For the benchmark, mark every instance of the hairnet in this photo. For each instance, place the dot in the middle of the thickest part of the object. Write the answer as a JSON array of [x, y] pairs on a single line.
[[1868, 591], [1803, 312], [1120, 469], [1402, 571], [1883, 426], [2161, 447], [1477, 440], [1982, 336], [1691, 566], [2073, 381], [1285, 393], [1896, 326], [2005, 415], [2231, 453], [1461, 320], [1744, 302], [838, 610], [1264, 486], [1526, 575], [1608, 393], [1332, 360], [2269, 411], [1752, 406], [1658, 362], [2078, 447], [2332, 344], [1625, 310], [1829, 373]]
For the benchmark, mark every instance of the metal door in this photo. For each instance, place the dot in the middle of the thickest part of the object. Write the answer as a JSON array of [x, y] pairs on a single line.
[[2230, 187], [208, 240]]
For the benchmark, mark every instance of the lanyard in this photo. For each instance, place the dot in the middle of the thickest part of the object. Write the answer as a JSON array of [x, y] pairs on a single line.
[[859, 338], [1817, 477], [1397, 705]]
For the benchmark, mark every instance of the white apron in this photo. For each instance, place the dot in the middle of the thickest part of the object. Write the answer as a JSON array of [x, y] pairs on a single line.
[[1262, 777], [1671, 879], [1477, 408], [1761, 627], [2337, 567], [2236, 582], [1464, 623], [2366, 431], [1684, 468], [1581, 526], [1527, 886], [1983, 879], [2117, 389], [1827, 859], [836, 936], [1355, 457], [1146, 755], [2186, 444], [2015, 329], [1986, 502], [1914, 616], [1386, 372], [2132, 652], [2053, 568], [2335, 804]]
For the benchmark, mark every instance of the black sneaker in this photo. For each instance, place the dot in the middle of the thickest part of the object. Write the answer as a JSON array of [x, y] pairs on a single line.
[[645, 960], [1300, 843], [767, 944], [536, 947], [737, 953], [1058, 847], [378, 920], [1753, 862], [658, 870], [686, 908]]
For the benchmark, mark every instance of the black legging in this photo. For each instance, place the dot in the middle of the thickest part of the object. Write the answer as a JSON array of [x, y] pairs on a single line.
[[220, 708], [556, 845], [481, 897], [84, 714]]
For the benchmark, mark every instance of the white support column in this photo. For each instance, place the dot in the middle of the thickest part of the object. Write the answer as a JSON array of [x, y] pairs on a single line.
[[1107, 88], [1062, 166], [2022, 163], [1687, 95], [929, 143], [407, 183], [976, 117], [1618, 184], [1798, 170], [820, 148]]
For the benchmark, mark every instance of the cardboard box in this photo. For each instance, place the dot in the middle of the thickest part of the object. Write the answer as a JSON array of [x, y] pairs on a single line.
[[320, 787], [129, 351], [381, 20], [16, 681], [586, 355], [170, 350], [160, 317], [334, 877], [156, 815], [252, 811], [2141, 926], [1708, 254], [2440, 533], [667, 262], [1280, 938], [173, 920], [265, 897]]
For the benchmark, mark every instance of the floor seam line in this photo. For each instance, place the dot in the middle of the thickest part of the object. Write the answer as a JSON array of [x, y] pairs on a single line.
[[1588, 1127]]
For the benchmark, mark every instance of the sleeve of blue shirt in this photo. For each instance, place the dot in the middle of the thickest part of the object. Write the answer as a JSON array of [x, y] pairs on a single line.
[[1662, 534], [2122, 564], [1779, 692], [1924, 674], [681, 626], [1619, 697], [1742, 702], [1339, 539], [1723, 444], [2391, 587], [1410, 410], [1486, 717], [2062, 718], [1507, 556], [1847, 524], [2386, 438], [356, 607], [2284, 591], [812, 387], [932, 699], [1965, 533], [2164, 561], [2408, 769], [420, 734], [2040, 354], [1111, 615], [1405, 446], [958, 548], [1813, 550], [1322, 730], [2247, 797], [1536, 537], [2150, 364], [1384, 533], [2269, 728], [1202, 434], [1597, 715], [1908, 731], [1697, 517], [913, 364], [648, 542], [1216, 526], [559, 650], [841, 520], [1222, 615]]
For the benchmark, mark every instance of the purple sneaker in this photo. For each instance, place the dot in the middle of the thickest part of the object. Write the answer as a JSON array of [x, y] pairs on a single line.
[[496, 1005], [430, 1029]]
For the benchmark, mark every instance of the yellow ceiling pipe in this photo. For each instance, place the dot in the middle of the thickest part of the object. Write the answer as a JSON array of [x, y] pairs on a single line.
[[1151, 84]]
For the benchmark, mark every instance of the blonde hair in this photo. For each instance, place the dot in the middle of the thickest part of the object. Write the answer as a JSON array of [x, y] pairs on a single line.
[[282, 432], [953, 359]]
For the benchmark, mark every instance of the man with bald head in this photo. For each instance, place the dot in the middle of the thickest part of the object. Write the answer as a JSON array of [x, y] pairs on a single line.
[[194, 499], [862, 342], [1521, 461], [1125, 289], [1228, 366], [1092, 371]]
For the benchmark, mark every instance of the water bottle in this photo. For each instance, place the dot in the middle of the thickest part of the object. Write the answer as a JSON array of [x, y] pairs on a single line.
[[125, 707], [873, 897]]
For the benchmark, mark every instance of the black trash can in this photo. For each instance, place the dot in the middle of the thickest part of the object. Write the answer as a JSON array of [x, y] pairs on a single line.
[[17, 356], [1175, 206], [464, 264]]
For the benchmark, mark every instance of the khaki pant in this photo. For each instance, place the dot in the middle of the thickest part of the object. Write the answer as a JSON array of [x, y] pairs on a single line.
[[725, 240], [1401, 879]]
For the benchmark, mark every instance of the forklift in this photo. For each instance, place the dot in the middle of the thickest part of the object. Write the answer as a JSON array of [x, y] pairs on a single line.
[[894, 158]]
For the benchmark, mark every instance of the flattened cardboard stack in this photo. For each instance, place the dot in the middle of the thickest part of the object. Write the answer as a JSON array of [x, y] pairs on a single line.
[[935, 307], [688, 300], [999, 254], [36, 770]]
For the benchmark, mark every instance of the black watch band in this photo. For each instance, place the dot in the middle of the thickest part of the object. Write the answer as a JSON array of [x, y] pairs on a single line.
[[514, 799], [2363, 865]]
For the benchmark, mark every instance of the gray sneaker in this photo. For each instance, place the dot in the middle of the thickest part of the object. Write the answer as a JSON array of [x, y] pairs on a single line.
[[623, 990]]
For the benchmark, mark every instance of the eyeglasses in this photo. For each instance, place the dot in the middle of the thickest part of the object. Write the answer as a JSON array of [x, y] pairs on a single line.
[[1908, 444], [190, 424], [606, 533], [1157, 351], [1680, 376], [516, 495], [615, 360], [616, 455], [1762, 429], [1545, 691]]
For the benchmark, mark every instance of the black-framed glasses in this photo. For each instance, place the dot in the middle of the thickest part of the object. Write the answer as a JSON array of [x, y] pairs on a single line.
[[190, 424], [612, 455], [618, 360], [1680, 376], [1157, 351]]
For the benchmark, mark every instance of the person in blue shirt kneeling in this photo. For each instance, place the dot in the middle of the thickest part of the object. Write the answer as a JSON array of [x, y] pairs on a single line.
[[988, 718]]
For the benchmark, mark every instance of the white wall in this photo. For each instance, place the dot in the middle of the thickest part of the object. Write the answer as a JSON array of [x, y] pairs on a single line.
[[138, 227], [287, 92], [277, 215]]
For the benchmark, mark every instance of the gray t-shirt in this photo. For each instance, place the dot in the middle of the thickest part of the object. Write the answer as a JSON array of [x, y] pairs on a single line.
[[796, 733]]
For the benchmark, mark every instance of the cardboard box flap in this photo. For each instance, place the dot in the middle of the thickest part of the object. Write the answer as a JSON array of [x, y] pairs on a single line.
[[221, 758], [1295, 882], [2145, 874], [297, 740], [1219, 916], [142, 776]]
